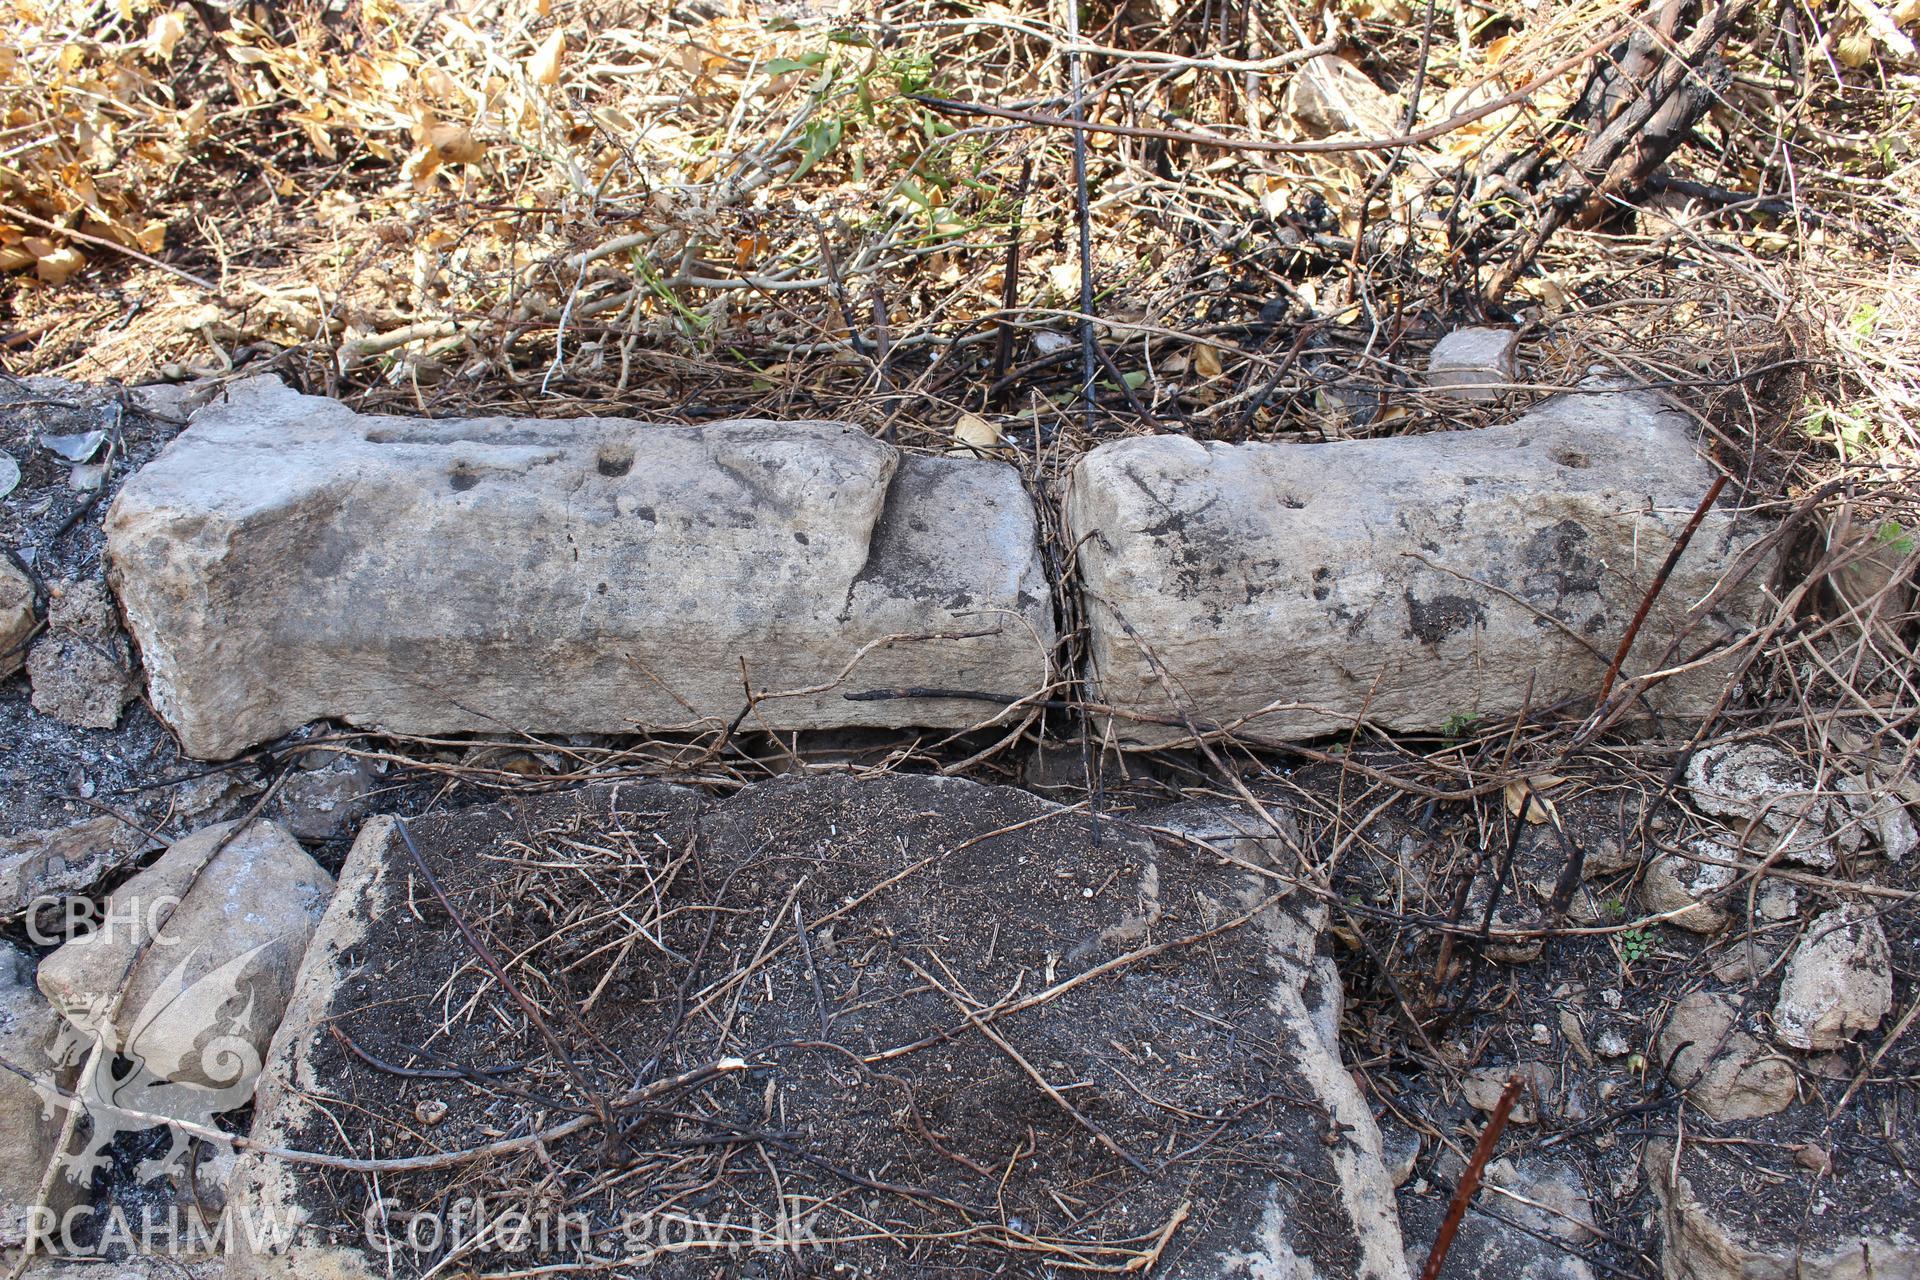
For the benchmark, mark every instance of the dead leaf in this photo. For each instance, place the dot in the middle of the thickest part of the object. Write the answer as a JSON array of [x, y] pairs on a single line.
[[1065, 278], [615, 121], [455, 144], [420, 166], [1540, 809], [164, 32], [544, 66], [441, 86], [1855, 49], [975, 437], [55, 266], [1206, 360]]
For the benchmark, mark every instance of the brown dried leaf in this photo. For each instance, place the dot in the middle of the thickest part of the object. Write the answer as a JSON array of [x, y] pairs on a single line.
[[615, 121], [1540, 809], [455, 144], [55, 266], [975, 437], [544, 66], [1855, 49], [164, 32]]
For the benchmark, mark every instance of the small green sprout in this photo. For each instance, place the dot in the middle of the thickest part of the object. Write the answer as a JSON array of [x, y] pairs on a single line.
[[1636, 945]]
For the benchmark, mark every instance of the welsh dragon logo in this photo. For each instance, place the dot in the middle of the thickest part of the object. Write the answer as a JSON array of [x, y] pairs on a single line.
[[118, 1100]]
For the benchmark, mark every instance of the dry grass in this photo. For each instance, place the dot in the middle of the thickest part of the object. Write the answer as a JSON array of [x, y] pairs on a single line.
[[575, 205]]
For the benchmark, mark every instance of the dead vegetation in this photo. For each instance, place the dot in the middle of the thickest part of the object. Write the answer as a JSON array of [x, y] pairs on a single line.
[[879, 214]]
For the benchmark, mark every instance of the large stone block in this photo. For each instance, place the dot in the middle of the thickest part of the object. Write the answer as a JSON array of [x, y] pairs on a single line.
[[1854, 1220], [195, 959], [287, 559], [29, 1126], [948, 1004], [1291, 589], [16, 613]]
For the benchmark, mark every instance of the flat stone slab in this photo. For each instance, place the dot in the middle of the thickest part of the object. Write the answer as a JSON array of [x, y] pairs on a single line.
[[896, 1026], [1859, 1220], [1418, 581], [286, 559]]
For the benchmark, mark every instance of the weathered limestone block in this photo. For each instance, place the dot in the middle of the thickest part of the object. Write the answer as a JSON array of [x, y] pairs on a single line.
[[16, 615], [1695, 890], [1767, 797], [81, 670], [1725, 1070], [1839, 981], [326, 797], [858, 886], [1855, 1222], [1289, 589], [1549, 1218], [28, 1126], [206, 942], [1880, 807], [1473, 364], [286, 559], [39, 867]]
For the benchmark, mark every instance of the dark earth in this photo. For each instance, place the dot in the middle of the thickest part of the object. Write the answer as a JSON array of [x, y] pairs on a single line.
[[829, 932]]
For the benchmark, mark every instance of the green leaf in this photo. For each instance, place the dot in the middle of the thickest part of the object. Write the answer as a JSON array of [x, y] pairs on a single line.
[[913, 73], [817, 142], [805, 62]]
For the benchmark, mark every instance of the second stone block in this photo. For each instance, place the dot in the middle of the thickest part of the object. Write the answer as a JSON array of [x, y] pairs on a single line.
[[1418, 582]]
